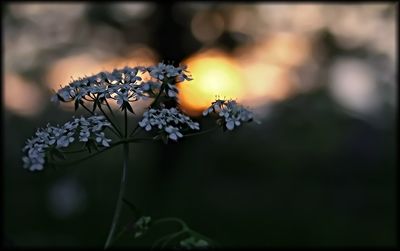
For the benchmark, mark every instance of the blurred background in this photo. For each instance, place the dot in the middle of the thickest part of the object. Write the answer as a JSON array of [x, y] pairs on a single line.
[[318, 171]]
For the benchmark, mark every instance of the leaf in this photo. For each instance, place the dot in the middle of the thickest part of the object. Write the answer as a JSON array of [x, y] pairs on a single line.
[[193, 242], [142, 225]]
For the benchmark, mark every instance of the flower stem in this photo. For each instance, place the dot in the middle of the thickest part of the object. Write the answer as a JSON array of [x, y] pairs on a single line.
[[172, 219], [126, 123], [129, 140], [112, 129], [158, 96], [151, 106], [200, 133], [109, 108], [109, 120], [120, 197], [134, 130], [87, 109]]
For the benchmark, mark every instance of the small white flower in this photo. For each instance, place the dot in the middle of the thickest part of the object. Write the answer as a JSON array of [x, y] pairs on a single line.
[[157, 71], [36, 166], [173, 132], [102, 139], [61, 137], [231, 112], [171, 120]]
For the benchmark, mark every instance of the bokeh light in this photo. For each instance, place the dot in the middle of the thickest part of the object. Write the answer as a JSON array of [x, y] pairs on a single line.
[[353, 86], [21, 96], [85, 64], [214, 73], [207, 27]]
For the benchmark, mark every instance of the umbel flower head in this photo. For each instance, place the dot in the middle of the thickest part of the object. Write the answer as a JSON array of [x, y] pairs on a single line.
[[169, 120], [57, 137], [122, 85], [125, 86], [230, 111]]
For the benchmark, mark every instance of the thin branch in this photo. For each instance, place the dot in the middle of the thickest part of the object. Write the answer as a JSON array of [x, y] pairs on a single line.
[[89, 156], [73, 151], [134, 130], [173, 236], [200, 133], [165, 239], [129, 140], [109, 120], [115, 132], [120, 196], [172, 219], [109, 108], [151, 106], [87, 109], [126, 123], [158, 96]]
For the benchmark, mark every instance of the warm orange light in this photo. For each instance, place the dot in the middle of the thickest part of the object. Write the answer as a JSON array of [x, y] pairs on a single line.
[[269, 67], [283, 49], [214, 73], [86, 64], [267, 82], [22, 96]]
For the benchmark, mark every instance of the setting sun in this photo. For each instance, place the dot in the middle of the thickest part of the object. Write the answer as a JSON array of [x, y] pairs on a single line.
[[214, 74]]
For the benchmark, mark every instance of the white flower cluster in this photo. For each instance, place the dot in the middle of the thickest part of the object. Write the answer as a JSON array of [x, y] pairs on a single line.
[[232, 113], [163, 71], [122, 85], [170, 120], [60, 137]]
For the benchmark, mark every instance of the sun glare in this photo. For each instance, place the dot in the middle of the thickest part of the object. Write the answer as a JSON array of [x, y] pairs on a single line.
[[214, 73]]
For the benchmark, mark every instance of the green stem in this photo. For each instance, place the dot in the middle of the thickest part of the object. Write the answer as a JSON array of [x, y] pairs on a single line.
[[200, 133], [73, 151], [134, 130], [127, 140], [172, 237], [173, 219], [126, 123], [200, 236], [151, 106], [130, 140], [167, 238], [109, 108], [120, 196], [87, 109], [109, 120], [185, 228], [158, 96], [112, 129], [126, 228]]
